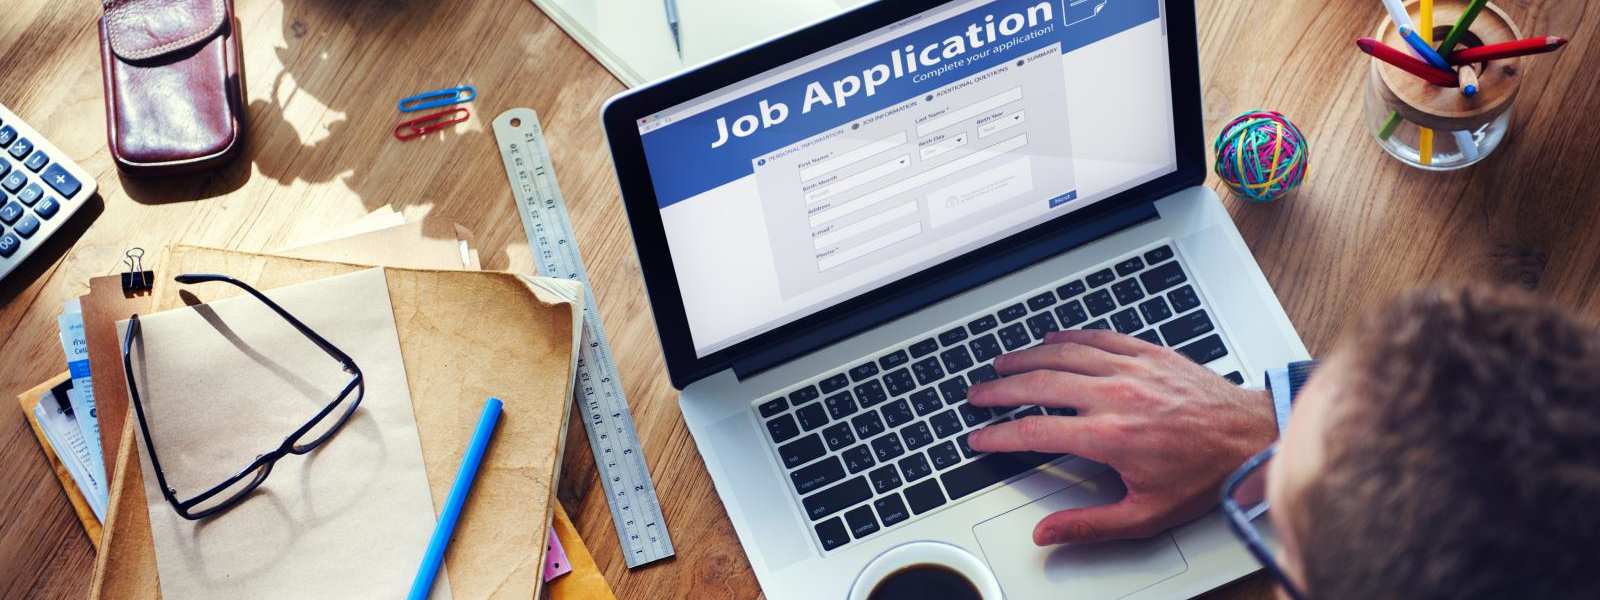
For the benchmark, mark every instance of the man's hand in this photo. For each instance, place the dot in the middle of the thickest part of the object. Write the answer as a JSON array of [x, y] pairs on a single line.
[[1171, 428]]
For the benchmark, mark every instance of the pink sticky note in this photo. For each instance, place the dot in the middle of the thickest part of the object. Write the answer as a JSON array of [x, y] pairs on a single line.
[[555, 558]]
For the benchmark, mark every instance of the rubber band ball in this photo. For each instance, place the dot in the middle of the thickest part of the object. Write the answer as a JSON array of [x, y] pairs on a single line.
[[1262, 156]]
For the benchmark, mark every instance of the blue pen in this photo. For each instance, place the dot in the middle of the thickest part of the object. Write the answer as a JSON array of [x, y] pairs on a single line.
[[434, 557], [1423, 50]]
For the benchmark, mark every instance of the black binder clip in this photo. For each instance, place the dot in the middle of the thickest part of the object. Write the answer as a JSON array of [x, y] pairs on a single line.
[[136, 279]]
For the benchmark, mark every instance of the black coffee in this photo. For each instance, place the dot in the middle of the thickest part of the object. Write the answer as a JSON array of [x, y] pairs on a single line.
[[925, 582]]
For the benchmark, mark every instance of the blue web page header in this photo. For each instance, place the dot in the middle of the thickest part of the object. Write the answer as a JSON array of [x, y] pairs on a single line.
[[717, 146]]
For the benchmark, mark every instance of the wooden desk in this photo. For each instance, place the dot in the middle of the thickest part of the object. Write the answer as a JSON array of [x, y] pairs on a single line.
[[323, 77]]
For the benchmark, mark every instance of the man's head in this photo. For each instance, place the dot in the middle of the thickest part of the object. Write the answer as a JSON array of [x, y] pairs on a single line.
[[1450, 448]]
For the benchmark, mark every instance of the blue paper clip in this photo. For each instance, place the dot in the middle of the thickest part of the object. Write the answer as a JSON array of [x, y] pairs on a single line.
[[438, 98]]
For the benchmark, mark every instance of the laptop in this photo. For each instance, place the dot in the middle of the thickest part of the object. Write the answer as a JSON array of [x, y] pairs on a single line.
[[840, 229]]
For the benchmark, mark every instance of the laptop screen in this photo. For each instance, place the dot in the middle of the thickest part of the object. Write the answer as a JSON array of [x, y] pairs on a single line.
[[796, 190]]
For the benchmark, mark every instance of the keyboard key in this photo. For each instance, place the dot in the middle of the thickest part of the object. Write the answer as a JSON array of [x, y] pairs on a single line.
[[814, 477], [1101, 324], [893, 359], [1015, 337], [8, 245], [917, 436], [891, 510], [1149, 335], [884, 478], [21, 148], [966, 449], [887, 447], [772, 407], [900, 382], [954, 335], [1042, 324], [1183, 299], [861, 521], [956, 359], [946, 423], [870, 394], [838, 435], [832, 534], [837, 498], [863, 371], [37, 161], [944, 455], [1205, 350], [982, 324], [973, 415], [985, 348], [867, 425], [31, 194], [11, 212], [834, 383], [858, 459], [812, 416], [924, 348], [1127, 291], [801, 451], [953, 389], [1042, 301], [1129, 267], [8, 134], [1071, 314], [927, 371], [14, 182], [1013, 312], [982, 374], [1162, 277], [1235, 377], [925, 401], [1031, 411], [1101, 277], [915, 467], [897, 413], [47, 208], [61, 181], [1061, 412], [1187, 327], [1099, 303], [1155, 310], [1158, 255], [989, 470], [28, 226], [782, 428], [1126, 321], [804, 395], [924, 496], [1071, 290]]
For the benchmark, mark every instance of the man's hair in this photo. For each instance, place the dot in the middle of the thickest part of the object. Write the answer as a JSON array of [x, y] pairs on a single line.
[[1463, 457]]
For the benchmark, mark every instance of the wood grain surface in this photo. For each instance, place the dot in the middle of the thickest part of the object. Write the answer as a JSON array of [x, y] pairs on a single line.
[[323, 76]]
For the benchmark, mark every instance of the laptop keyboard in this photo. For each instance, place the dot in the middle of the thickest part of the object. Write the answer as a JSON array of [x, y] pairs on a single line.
[[876, 444]]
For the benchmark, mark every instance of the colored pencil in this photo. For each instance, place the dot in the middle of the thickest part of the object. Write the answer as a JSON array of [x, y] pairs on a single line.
[[1448, 46], [1425, 145], [1407, 63], [1398, 14], [1468, 145], [1425, 135], [1526, 47], [1424, 50], [1469, 81], [433, 558]]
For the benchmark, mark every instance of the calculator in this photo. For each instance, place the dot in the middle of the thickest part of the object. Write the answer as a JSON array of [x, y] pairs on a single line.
[[40, 188]]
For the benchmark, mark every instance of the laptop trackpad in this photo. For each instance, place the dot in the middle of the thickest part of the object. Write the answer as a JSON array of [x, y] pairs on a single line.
[[1090, 571]]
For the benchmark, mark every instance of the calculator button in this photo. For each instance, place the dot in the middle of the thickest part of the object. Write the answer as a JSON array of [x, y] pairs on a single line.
[[62, 181], [10, 213], [5, 166], [31, 194], [14, 182], [8, 245], [47, 208], [28, 226], [37, 161], [21, 149], [8, 134]]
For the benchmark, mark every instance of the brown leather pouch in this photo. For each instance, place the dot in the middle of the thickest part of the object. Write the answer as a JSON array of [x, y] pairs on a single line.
[[174, 86]]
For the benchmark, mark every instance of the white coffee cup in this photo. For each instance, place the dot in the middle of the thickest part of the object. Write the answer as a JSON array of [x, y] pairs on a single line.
[[922, 553]]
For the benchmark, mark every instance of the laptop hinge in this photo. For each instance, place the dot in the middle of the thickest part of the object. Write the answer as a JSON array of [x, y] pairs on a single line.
[[911, 300]]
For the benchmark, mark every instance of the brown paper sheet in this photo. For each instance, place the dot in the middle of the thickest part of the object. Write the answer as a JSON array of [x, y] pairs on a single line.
[[103, 306], [464, 336], [80, 505]]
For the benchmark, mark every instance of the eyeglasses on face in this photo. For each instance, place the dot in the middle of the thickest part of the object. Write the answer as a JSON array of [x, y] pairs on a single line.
[[1244, 501]]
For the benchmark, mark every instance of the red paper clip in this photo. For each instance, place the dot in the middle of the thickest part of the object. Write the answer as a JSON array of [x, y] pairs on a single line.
[[430, 123]]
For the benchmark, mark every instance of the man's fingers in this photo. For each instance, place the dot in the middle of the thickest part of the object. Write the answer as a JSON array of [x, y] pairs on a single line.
[[1052, 389], [1119, 521], [1103, 339], [1080, 436], [1072, 358]]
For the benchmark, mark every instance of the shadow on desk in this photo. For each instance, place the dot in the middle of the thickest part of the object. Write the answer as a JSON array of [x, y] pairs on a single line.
[[48, 257]]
